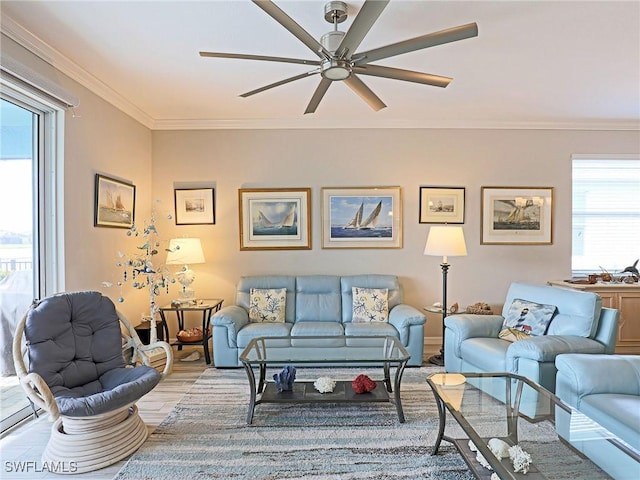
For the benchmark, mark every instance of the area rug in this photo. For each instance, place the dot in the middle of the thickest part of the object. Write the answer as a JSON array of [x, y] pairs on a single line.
[[206, 437]]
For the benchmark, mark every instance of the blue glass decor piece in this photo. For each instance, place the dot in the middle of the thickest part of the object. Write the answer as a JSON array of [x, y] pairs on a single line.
[[284, 380]]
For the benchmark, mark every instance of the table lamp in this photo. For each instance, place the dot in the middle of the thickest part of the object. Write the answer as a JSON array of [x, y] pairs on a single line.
[[185, 251], [445, 241]]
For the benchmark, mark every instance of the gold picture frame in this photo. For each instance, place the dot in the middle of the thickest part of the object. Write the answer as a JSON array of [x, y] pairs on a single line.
[[361, 217], [275, 218], [516, 216]]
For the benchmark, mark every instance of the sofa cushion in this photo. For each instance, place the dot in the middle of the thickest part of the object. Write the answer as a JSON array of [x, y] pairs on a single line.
[[488, 354], [378, 329], [318, 298], [267, 304], [618, 413], [261, 329], [390, 282], [370, 305], [316, 329], [578, 312], [529, 317]]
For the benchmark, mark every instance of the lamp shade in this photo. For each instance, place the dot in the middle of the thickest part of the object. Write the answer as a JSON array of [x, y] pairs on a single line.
[[445, 241], [185, 251]]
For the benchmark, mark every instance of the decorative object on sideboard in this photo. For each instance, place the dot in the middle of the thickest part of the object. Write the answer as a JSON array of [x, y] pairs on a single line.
[[633, 271], [185, 251], [445, 241]]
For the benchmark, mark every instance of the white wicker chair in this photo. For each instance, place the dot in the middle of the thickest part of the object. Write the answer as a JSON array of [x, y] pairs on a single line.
[[71, 345]]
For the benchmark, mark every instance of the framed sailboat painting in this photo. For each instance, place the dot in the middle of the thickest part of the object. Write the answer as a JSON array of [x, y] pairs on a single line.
[[362, 217], [275, 218], [516, 216], [115, 203]]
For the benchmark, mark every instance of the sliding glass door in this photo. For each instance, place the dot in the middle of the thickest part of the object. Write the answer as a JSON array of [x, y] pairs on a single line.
[[20, 142]]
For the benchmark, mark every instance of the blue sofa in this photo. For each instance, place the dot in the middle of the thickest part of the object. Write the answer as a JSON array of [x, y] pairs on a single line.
[[316, 305], [580, 325], [606, 388]]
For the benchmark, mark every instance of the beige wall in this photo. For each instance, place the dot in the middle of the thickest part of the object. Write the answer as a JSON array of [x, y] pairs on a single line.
[[230, 160]]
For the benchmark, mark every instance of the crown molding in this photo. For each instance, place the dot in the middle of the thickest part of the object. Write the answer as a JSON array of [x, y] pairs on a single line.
[[314, 123], [53, 57]]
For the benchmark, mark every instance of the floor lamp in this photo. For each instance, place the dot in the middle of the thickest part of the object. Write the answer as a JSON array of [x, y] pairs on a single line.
[[444, 241]]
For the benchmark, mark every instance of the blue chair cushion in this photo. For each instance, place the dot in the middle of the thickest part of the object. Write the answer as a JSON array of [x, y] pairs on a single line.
[[73, 339], [113, 390]]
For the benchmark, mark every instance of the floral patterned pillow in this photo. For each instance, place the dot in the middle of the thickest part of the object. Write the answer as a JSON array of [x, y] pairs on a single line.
[[267, 304], [370, 305]]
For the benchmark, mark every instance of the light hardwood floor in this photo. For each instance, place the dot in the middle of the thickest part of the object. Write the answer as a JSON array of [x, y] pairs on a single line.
[[21, 448]]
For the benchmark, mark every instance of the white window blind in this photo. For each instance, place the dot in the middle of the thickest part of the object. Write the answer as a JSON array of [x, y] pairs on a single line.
[[605, 213]]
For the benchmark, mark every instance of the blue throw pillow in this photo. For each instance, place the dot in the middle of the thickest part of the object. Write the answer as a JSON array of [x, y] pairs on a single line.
[[529, 317]]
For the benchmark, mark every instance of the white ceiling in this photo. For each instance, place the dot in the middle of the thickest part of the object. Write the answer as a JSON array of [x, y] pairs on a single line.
[[539, 64]]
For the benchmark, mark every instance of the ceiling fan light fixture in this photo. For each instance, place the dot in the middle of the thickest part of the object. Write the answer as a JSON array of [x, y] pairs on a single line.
[[335, 69]]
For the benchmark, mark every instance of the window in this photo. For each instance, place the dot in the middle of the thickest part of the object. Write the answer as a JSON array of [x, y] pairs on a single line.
[[605, 213]]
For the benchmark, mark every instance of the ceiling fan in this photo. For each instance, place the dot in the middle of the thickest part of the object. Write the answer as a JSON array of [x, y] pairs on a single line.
[[338, 58]]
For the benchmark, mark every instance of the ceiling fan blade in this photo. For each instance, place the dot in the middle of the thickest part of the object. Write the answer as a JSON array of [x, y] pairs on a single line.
[[363, 22], [406, 75], [287, 22], [365, 92], [281, 82], [241, 56], [317, 96], [430, 40]]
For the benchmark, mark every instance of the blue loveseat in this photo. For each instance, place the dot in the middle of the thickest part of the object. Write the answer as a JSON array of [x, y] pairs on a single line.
[[606, 388], [580, 325], [316, 305]]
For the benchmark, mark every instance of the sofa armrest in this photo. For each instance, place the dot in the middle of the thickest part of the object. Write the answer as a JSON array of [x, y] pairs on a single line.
[[591, 374], [545, 348], [233, 318], [403, 315], [468, 325]]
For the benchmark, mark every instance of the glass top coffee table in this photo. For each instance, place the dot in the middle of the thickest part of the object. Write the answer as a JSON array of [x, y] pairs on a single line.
[[482, 417], [264, 352]]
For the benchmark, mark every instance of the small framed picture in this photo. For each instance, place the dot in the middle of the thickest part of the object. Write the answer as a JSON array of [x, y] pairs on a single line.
[[441, 205], [516, 216], [275, 218], [362, 217], [115, 203], [195, 206]]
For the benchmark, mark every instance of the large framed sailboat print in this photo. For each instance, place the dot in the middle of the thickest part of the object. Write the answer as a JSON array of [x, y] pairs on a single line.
[[516, 216], [362, 217], [275, 218]]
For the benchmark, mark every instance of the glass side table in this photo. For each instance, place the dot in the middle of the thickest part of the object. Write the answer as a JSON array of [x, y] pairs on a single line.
[[208, 306]]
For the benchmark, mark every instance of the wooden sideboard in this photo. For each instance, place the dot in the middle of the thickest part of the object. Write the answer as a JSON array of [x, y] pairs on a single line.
[[624, 297]]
